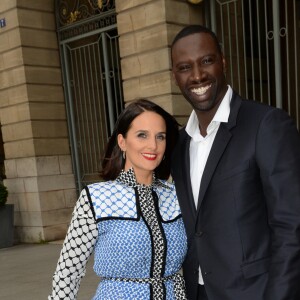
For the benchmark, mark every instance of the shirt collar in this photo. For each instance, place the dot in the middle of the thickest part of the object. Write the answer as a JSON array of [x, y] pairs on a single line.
[[221, 116]]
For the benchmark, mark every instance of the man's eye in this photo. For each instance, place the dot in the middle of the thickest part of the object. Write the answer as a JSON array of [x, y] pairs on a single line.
[[207, 61], [184, 68]]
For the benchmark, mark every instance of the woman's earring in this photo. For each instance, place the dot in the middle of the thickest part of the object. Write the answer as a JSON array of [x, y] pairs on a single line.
[[124, 155]]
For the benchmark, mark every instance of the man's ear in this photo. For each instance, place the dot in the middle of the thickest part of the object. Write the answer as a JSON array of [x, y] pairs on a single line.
[[121, 142], [173, 76], [224, 64]]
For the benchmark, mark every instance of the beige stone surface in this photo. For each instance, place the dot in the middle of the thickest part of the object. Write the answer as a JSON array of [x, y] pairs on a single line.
[[40, 57], [147, 86], [47, 111], [145, 40], [65, 164], [122, 5], [146, 63], [10, 40], [49, 129], [17, 131], [11, 59], [14, 114], [57, 232], [56, 217], [36, 19], [52, 146], [13, 95], [12, 77], [16, 149], [45, 5], [10, 168], [43, 75], [139, 17], [38, 38], [11, 18], [45, 93], [7, 4]]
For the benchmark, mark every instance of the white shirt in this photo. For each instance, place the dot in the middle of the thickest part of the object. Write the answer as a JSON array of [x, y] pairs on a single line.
[[200, 146]]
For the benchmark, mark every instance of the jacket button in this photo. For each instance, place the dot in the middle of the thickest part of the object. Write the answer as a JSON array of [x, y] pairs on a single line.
[[199, 233]]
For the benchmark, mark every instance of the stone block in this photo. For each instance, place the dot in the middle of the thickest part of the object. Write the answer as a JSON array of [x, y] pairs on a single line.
[[7, 5], [29, 218], [71, 197], [55, 232], [52, 200], [147, 86], [15, 114], [56, 217], [12, 77], [45, 93], [47, 111], [142, 16], [49, 129], [31, 184], [41, 57], [145, 40], [17, 131], [11, 59], [43, 75], [55, 146], [38, 38], [181, 12], [36, 19], [45, 5], [122, 5], [10, 168], [10, 40], [147, 63], [16, 149], [26, 167], [11, 18], [13, 95], [29, 202], [29, 234], [54, 182], [65, 164], [47, 165]]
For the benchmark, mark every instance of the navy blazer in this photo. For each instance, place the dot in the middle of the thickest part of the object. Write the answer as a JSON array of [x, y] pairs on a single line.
[[245, 233]]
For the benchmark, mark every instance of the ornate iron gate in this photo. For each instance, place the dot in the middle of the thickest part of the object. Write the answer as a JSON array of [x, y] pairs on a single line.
[[260, 39], [88, 40]]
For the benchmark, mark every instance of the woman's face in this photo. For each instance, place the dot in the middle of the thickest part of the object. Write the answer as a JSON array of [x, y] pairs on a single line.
[[144, 144]]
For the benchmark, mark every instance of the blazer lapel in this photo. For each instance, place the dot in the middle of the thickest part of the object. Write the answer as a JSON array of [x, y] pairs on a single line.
[[222, 138], [186, 174]]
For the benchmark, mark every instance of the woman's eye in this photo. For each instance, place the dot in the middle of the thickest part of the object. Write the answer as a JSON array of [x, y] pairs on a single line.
[[161, 137], [142, 135]]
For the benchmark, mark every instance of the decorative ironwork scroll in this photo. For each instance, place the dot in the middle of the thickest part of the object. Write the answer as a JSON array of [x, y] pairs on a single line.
[[76, 17]]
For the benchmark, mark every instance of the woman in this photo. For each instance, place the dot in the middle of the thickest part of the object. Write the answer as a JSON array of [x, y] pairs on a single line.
[[132, 221]]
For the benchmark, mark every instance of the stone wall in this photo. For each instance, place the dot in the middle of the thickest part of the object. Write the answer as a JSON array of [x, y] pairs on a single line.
[[146, 30], [38, 165]]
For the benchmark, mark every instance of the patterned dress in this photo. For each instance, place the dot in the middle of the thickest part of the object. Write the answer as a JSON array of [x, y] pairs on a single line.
[[138, 238]]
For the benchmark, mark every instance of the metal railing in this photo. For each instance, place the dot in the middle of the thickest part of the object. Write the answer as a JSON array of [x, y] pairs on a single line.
[[260, 40]]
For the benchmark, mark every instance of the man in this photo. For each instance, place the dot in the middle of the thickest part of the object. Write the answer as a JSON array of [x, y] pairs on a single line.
[[237, 174]]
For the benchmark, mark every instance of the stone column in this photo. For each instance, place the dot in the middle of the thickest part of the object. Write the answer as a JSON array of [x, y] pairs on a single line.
[[146, 30], [38, 165]]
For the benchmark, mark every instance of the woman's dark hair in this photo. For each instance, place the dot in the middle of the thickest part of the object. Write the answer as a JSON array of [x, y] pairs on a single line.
[[113, 161]]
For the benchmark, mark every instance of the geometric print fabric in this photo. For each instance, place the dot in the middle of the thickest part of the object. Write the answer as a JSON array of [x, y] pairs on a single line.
[[114, 230]]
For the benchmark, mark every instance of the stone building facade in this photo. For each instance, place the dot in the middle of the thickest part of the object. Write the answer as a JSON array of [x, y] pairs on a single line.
[[37, 157]]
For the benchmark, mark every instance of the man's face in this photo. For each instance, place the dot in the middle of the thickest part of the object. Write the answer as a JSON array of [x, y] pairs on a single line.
[[198, 69]]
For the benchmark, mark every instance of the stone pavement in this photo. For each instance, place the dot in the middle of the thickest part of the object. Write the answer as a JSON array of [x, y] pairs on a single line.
[[26, 272]]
